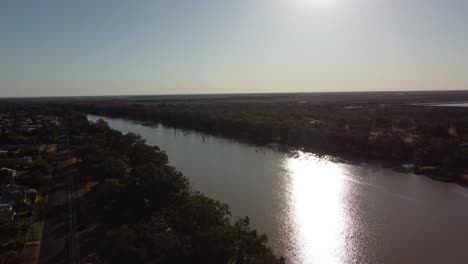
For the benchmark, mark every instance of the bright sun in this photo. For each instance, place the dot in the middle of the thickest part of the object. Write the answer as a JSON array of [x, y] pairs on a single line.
[[318, 10], [319, 2], [324, 7], [318, 5]]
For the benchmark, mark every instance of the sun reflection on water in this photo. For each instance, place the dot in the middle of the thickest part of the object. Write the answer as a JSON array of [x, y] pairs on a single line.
[[316, 212]]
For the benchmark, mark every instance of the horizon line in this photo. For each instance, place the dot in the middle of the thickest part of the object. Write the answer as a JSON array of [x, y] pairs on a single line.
[[227, 94]]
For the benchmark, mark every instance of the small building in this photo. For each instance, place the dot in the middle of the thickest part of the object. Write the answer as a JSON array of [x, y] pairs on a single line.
[[13, 197], [25, 160], [41, 148], [51, 147], [54, 120], [13, 193], [32, 128], [7, 171], [7, 213], [12, 148], [30, 196]]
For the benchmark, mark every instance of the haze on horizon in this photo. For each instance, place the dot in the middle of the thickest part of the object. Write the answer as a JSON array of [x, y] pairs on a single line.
[[115, 47]]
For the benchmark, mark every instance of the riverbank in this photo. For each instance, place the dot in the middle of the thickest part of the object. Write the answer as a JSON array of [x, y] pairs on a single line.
[[147, 204]]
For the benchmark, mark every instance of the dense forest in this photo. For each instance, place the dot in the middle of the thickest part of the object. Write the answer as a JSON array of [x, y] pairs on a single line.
[[146, 211], [434, 139]]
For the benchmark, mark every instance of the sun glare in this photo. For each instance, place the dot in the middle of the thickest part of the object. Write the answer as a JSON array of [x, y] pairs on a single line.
[[310, 8], [318, 3], [316, 208]]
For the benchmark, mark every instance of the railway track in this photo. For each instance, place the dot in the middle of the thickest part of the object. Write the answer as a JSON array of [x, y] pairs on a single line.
[[73, 242]]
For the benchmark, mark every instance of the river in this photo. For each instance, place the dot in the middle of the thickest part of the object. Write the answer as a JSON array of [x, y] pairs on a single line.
[[318, 211], [461, 104]]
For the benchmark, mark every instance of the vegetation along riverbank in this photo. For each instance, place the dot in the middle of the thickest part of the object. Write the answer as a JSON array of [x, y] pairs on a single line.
[[145, 211]]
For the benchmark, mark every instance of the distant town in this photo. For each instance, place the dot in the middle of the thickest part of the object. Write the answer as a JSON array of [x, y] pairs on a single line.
[[28, 151]]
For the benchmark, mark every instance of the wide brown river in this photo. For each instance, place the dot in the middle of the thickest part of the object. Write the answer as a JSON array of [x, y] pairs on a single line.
[[318, 211]]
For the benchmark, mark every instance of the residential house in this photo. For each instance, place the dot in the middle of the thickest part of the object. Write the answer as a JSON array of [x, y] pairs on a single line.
[[13, 194], [7, 171], [41, 148], [25, 161], [30, 196], [12, 148], [7, 176], [6, 213], [51, 120], [51, 148], [31, 128]]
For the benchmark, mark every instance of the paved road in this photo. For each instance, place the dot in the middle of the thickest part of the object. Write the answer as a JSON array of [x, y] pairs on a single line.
[[60, 240]]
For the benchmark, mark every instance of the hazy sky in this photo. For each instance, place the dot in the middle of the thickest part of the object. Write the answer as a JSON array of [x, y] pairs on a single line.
[[103, 47]]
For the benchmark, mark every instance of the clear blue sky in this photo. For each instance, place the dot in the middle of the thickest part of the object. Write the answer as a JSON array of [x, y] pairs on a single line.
[[103, 47]]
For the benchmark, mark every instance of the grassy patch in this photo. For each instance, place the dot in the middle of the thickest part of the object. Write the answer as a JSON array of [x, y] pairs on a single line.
[[7, 234], [41, 198], [22, 214], [22, 221], [32, 233]]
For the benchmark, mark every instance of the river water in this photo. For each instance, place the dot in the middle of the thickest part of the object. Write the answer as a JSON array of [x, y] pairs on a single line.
[[319, 211], [462, 104]]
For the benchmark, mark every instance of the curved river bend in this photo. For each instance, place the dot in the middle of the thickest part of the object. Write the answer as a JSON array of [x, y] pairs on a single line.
[[317, 211]]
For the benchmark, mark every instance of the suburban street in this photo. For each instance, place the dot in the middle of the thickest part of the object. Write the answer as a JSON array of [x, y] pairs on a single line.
[[60, 240]]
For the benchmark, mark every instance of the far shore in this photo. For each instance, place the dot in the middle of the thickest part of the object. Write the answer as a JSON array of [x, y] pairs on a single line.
[[433, 173]]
